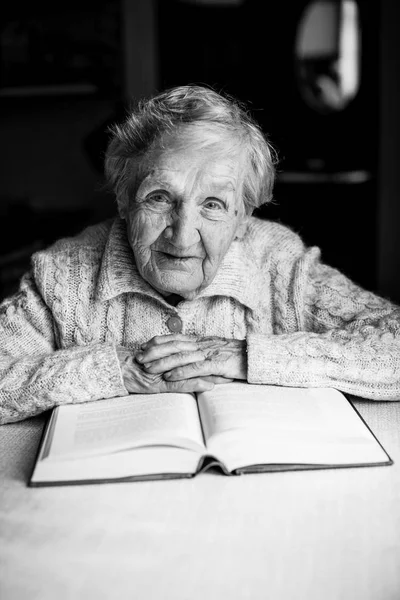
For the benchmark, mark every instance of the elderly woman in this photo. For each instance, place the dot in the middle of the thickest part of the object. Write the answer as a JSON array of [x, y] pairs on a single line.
[[185, 289]]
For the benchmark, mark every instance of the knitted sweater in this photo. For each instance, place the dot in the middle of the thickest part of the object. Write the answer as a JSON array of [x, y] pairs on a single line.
[[305, 323]]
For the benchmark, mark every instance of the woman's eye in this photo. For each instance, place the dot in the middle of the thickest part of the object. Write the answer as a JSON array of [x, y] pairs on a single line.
[[158, 198], [213, 204]]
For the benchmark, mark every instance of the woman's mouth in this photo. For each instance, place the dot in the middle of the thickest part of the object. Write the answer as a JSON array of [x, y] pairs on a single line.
[[177, 255], [167, 260]]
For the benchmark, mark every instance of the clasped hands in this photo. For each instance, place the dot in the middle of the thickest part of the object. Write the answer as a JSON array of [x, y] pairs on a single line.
[[182, 363]]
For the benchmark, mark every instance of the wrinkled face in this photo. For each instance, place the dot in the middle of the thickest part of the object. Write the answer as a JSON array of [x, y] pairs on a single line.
[[186, 212]]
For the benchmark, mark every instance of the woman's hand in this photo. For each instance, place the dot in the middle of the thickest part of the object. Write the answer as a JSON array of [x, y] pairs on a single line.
[[179, 358], [138, 380]]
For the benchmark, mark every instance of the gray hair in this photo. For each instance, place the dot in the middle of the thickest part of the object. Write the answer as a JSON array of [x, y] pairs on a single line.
[[151, 119]]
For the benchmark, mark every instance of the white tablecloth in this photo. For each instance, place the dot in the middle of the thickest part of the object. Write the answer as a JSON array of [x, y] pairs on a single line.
[[324, 535]]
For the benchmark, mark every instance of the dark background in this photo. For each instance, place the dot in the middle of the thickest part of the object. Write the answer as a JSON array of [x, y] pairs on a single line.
[[68, 71]]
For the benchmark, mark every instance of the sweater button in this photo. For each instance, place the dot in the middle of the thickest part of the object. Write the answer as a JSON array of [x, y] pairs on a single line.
[[174, 324]]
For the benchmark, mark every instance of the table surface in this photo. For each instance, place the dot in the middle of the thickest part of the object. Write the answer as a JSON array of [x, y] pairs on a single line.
[[324, 535]]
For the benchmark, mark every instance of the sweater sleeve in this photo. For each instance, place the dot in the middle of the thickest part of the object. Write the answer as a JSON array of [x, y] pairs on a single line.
[[349, 340], [34, 374]]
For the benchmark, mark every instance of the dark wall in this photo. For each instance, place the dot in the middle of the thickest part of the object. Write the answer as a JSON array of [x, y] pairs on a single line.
[[389, 152], [60, 80]]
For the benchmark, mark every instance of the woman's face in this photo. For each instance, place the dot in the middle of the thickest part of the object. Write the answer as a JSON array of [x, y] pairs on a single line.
[[186, 212]]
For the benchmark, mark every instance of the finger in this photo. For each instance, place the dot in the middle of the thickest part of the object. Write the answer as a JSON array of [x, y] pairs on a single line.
[[197, 384], [166, 349], [172, 361], [201, 369], [218, 379], [158, 340]]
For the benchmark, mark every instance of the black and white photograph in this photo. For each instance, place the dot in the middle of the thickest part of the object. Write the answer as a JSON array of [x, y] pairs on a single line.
[[200, 300]]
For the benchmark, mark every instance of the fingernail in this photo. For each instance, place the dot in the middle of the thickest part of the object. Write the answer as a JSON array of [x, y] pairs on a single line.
[[139, 356], [167, 375], [146, 365]]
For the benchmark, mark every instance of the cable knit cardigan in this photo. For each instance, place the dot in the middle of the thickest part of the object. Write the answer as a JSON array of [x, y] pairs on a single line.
[[305, 323]]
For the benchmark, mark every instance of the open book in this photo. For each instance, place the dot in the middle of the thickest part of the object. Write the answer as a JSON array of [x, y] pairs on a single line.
[[238, 427]]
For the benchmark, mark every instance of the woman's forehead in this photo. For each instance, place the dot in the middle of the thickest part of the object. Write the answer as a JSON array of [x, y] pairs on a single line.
[[200, 140], [204, 152], [191, 167]]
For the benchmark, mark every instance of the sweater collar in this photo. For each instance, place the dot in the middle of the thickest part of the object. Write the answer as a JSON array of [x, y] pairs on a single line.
[[236, 277]]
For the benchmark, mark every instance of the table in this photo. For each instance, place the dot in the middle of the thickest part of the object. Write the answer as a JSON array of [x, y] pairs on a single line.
[[326, 535]]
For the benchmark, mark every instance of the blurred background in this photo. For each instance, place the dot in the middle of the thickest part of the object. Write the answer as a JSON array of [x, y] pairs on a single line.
[[321, 78]]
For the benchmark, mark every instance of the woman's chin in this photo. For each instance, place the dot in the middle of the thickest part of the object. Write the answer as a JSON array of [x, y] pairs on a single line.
[[177, 283]]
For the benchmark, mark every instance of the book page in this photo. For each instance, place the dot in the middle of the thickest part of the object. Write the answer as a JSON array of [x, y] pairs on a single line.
[[247, 424], [120, 423], [148, 462]]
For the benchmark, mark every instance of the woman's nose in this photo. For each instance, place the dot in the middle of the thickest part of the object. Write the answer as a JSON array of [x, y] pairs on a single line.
[[183, 231]]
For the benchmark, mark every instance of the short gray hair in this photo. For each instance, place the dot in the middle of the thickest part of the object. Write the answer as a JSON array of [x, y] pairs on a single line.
[[163, 113]]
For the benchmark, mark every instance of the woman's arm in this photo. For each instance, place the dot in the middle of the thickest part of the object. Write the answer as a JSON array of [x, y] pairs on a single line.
[[351, 342], [34, 374]]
